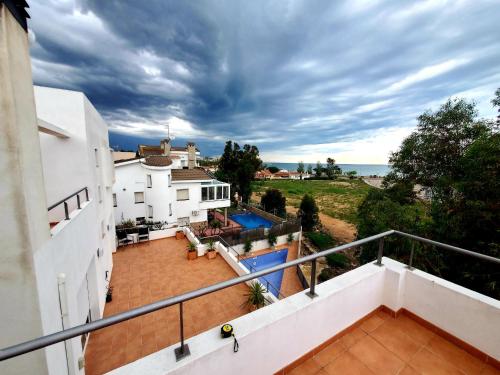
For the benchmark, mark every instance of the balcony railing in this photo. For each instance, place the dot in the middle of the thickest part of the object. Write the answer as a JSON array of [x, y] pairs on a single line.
[[65, 201], [183, 350]]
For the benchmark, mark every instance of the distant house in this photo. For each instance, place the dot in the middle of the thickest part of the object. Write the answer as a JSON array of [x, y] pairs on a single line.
[[263, 175], [166, 187]]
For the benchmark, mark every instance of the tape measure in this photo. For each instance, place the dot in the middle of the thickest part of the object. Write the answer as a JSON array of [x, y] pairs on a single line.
[[227, 331]]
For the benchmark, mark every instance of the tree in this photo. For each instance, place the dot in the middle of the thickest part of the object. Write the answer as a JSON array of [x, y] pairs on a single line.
[[319, 169], [273, 201], [300, 169], [273, 169], [332, 169], [310, 170], [496, 103], [456, 156], [238, 166], [308, 213]]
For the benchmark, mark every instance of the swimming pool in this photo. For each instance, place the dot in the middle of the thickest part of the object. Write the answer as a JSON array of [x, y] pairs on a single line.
[[262, 262], [250, 220]]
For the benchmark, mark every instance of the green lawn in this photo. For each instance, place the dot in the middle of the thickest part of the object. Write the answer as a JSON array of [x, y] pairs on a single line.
[[338, 198]]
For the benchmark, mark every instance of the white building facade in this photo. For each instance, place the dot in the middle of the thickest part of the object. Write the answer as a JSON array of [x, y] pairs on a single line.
[[156, 188]]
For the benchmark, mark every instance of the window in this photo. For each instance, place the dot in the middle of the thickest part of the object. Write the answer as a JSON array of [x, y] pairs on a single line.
[[219, 192], [114, 200], [150, 212], [149, 181], [96, 155], [182, 194], [211, 193], [140, 220], [204, 193], [170, 209], [226, 192], [99, 193], [139, 197]]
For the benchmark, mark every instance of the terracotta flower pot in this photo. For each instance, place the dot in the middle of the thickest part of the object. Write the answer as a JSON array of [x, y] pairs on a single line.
[[192, 255], [179, 235], [211, 254]]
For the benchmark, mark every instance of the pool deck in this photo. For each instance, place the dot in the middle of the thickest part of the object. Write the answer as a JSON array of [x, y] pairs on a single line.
[[290, 283]]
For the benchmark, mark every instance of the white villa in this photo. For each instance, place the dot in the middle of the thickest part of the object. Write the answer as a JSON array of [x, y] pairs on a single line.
[[166, 187]]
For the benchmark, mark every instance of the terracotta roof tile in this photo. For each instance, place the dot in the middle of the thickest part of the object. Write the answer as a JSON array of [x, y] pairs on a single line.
[[190, 174], [158, 161]]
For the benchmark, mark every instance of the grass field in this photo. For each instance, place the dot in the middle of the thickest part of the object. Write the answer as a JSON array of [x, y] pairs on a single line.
[[336, 198]]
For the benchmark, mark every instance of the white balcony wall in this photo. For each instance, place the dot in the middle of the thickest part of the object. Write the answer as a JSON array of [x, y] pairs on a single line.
[[284, 331], [186, 208], [71, 251]]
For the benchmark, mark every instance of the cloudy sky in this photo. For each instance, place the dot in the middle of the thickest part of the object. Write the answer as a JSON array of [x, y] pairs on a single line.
[[302, 80]]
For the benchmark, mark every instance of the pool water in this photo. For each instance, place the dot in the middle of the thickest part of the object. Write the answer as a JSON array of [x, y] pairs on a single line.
[[250, 220], [262, 262]]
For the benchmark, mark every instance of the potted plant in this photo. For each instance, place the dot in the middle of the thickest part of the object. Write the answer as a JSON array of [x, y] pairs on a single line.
[[216, 225], [290, 239], [272, 239], [255, 296], [211, 254], [179, 235], [109, 294], [192, 251], [247, 246]]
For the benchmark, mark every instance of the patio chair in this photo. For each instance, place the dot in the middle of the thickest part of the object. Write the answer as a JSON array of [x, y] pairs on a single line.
[[143, 234], [121, 236]]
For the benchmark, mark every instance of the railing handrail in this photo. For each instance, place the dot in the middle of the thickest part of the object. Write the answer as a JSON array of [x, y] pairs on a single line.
[[69, 333], [65, 199]]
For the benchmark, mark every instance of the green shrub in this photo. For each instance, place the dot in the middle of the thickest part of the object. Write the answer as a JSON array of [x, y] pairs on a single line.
[[337, 260], [325, 274], [322, 240]]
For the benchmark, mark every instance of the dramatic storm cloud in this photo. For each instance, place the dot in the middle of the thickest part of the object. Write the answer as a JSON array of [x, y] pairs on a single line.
[[300, 79]]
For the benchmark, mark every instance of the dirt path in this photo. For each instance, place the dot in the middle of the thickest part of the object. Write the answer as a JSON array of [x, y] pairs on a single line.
[[339, 229]]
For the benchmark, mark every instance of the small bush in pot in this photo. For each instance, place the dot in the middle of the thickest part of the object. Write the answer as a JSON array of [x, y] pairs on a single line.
[[211, 254], [255, 296], [109, 294], [272, 239], [247, 246], [290, 238], [192, 251]]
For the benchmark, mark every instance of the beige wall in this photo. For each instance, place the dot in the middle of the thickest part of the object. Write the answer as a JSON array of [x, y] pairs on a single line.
[[23, 222]]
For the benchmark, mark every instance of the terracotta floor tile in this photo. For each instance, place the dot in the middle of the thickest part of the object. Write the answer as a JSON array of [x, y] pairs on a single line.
[[412, 329], [396, 341], [352, 337], [347, 364], [377, 358], [328, 354], [428, 363], [490, 370], [309, 367], [459, 358], [372, 323], [408, 370]]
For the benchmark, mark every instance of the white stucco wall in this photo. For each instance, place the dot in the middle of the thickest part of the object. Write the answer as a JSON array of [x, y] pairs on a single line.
[[284, 331]]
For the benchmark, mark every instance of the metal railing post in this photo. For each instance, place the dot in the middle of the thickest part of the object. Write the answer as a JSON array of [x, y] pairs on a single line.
[[66, 211], [267, 286], [183, 350], [87, 194], [78, 201], [312, 292], [380, 252], [410, 262]]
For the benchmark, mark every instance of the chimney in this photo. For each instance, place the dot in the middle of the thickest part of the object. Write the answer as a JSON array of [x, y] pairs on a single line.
[[165, 146], [191, 148]]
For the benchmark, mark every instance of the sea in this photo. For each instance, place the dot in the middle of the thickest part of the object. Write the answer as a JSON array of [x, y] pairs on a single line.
[[361, 169]]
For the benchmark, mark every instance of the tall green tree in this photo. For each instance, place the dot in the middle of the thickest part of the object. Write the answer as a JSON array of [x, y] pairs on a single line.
[[300, 169], [332, 170], [319, 169], [309, 169], [273, 201], [237, 166], [496, 103], [456, 156], [308, 213]]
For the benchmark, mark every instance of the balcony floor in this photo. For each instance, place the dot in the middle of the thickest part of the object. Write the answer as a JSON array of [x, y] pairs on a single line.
[[385, 345], [150, 271]]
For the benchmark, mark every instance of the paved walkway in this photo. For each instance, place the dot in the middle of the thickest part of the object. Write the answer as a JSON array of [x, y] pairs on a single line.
[[151, 271]]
